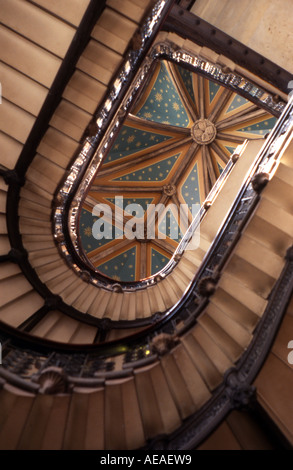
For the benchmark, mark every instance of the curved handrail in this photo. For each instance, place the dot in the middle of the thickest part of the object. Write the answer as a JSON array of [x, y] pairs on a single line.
[[267, 160], [73, 191]]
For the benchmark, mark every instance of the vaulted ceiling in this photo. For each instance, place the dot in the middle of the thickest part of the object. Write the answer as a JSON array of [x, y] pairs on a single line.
[[170, 150]]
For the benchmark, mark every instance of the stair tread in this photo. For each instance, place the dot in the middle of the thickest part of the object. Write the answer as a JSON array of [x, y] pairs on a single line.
[[234, 309], [159, 412], [211, 349], [209, 373], [225, 342]]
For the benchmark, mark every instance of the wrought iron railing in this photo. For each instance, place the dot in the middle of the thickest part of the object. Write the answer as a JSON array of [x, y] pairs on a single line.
[[86, 360], [72, 192]]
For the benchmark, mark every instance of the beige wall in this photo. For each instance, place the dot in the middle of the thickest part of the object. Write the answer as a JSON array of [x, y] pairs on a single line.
[[263, 25]]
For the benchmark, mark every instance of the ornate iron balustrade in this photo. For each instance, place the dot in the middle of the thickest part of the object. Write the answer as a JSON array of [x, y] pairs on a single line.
[[94, 149], [25, 357]]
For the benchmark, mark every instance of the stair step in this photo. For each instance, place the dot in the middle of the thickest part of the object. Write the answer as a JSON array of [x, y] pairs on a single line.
[[21, 308], [71, 11], [85, 299], [38, 26], [234, 309], [249, 431], [33, 210], [3, 225], [184, 267], [195, 384], [114, 335], [27, 227], [15, 406], [60, 282], [287, 157], [273, 238], [168, 295], [232, 327], [114, 31], [128, 309], [284, 172], [57, 147], [3, 199], [28, 58], [133, 10], [252, 278], [190, 266], [43, 257], [8, 269], [70, 120], [146, 304], [84, 91], [32, 192], [38, 242], [52, 438], [56, 327], [275, 215], [99, 62], [10, 114], [157, 407], [20, 287], [177, 290], [40, 180], [197, 249], [99, 305], [85, 421], [131, 307], [84, 334], [73, 291], [207, 370], [186, 385], [123, 422], [225, 342], [51, 270], [180, 278], [21, 90], [47, 167], [222, 204], [43, 328], [4, 244], [278, 191], [10, 150], [156, 300], [140, 303], [212, 350], [259, 256], [113, 309], [36, 423]]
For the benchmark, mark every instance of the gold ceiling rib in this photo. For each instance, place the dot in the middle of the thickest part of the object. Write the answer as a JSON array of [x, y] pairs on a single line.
[[211, 133], [190, 107], [220, 105], [240, 119], [164, 148], [157, 126]]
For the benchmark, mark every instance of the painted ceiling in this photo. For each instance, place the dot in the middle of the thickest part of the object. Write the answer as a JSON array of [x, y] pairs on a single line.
[[170, 151]]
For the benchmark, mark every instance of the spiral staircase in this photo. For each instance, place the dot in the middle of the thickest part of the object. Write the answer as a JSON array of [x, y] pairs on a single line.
[[194, 357]]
